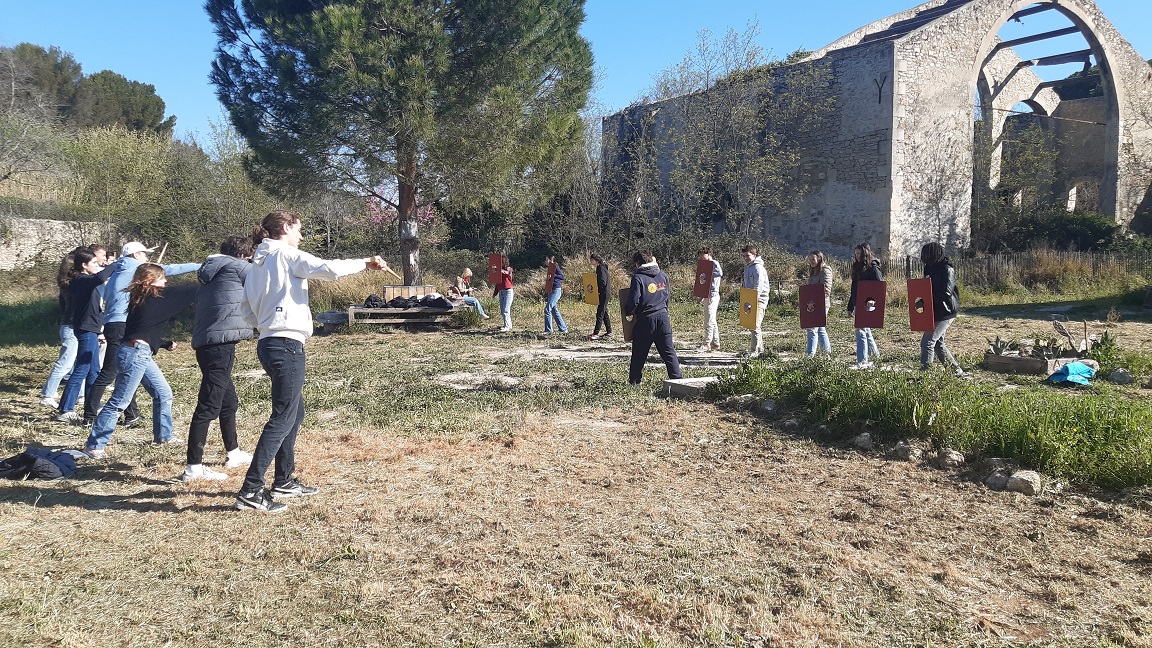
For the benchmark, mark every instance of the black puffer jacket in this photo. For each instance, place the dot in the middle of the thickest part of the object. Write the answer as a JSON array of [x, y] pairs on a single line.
[[218, 300], [945, 294], [870, 273]]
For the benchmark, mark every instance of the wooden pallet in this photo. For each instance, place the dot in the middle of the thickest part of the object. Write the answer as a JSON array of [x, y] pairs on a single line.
[[414, 315]]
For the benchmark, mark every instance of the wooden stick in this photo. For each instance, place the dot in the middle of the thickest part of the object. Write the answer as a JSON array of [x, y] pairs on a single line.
[[162, 251], [394, 273]]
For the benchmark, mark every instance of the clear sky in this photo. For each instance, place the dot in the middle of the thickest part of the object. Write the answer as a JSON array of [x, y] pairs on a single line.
[[169, 43]]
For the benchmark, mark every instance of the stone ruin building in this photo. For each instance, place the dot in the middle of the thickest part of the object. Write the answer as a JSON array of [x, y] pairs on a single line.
[[894, 162]]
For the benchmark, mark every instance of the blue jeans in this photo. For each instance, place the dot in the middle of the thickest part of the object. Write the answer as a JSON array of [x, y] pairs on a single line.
[[475, 303], [63, 366], [552, 311], [283, 361], [865, 343], [135, 367], [84, 370], [933, 342], [818, 334], [506, 296]]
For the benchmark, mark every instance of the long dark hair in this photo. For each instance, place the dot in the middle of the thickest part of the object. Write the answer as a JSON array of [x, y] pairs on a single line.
[[866, 258], [274, 225], [820, 264], [933, 253], [80, 257], [67, 270]]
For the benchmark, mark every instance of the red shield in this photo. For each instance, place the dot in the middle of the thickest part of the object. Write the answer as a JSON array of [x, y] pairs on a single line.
[[813, 310], [494, 269], [870, 304], [702, 287], [920, 314]]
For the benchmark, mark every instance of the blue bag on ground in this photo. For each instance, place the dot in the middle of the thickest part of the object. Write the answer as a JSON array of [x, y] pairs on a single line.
[[38, 463], [1073, 372]]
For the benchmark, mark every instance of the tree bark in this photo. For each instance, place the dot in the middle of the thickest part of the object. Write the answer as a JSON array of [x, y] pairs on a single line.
[[406, 221]]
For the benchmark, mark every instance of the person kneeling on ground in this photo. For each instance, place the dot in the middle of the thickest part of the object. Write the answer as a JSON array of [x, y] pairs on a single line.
[[648, 303], [276, 304]]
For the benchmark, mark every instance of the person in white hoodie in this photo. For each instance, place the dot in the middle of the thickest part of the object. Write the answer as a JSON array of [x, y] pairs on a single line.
[[756, 277], [276, 304]]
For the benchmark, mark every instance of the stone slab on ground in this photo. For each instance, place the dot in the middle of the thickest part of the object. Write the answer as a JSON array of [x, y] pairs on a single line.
[[687, 387]]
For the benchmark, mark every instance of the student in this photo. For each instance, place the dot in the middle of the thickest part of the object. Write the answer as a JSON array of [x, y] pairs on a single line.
[[820, 273], [464, 292], [67, 357], [865, 267], [756, 278], [712, 302], [219, 328], [87, 318], [554, 292], [132, 254], [602, 294], [945, 307], [151, 305], [648, 303], [503, 290], [276, 304]]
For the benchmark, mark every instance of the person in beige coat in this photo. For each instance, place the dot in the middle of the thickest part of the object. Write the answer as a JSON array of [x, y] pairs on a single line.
[[819, 273]]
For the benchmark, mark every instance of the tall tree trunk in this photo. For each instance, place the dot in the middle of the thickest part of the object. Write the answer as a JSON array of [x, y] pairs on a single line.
[[409, 228]]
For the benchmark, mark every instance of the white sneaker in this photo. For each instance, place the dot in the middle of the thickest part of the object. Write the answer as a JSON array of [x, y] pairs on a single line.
[[48, 401], [486, 316], [93, 453], [201, 471], [173, 440], [237, 459], [68, 417]]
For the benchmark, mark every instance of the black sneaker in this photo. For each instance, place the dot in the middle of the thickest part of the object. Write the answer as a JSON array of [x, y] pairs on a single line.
[[258, 501], [133, 422], [293, 488]]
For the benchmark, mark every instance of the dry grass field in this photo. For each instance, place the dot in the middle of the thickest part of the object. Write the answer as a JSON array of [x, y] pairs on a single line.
[[510, 490]]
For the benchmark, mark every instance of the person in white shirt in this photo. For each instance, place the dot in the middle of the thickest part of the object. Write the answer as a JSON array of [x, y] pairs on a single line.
[[276, 304]]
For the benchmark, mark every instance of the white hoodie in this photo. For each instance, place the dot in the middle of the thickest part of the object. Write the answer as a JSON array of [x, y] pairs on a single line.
[[276, 288]]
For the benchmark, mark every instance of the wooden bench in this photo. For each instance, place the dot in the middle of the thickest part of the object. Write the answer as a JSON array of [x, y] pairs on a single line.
[[414, 315]]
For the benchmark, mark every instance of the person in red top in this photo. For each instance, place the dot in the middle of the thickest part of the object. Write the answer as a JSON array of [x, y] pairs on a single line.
[[503, 290]]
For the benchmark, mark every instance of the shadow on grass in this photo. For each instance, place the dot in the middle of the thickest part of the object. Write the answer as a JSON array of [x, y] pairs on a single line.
[[34, 322]]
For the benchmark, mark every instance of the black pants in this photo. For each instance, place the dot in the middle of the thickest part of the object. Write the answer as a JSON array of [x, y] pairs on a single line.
[[283, 361], [602, 314], [113, 336], [217, 399], [654, 329]]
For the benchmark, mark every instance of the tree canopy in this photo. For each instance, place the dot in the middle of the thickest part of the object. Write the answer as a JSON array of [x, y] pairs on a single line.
[[406, 101]]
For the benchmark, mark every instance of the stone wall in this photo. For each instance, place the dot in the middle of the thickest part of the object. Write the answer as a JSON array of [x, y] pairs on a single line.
[[25, 242]]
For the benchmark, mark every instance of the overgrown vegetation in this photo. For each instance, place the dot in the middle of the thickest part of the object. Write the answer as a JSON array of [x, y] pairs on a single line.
[[1096, 438]]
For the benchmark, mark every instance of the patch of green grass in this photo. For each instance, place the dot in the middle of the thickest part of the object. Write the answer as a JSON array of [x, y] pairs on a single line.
[[1094, 436]]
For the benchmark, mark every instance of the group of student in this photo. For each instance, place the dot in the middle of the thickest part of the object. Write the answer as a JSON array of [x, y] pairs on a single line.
[[255, 287], [648, 298]]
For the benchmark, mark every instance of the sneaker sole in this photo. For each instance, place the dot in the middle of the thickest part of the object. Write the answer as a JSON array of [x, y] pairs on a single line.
[[279, 495], [244, 505]]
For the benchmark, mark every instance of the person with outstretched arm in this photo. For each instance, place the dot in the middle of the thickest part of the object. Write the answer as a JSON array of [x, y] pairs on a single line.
[[648, 303], [276, 305], [115, 319]]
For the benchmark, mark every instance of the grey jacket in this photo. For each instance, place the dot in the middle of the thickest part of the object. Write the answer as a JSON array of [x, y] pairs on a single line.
[[755, 276], [218, 300]]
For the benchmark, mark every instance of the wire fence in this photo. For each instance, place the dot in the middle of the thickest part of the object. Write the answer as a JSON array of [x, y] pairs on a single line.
[[1026, 268]]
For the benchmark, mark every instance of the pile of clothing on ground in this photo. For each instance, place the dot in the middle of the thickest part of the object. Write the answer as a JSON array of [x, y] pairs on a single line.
[[431, 300], [39, 463]]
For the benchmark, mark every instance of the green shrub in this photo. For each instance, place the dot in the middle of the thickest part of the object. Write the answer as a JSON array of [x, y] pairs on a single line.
[[1096, 437]]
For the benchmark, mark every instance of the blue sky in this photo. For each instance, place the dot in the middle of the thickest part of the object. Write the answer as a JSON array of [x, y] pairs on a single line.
[[169, 43]]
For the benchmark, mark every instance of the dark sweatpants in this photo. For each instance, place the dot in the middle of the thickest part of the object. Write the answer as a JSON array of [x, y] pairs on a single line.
[[283, 361], [113, 336], [602, 314], [217, 399], [655, 329]]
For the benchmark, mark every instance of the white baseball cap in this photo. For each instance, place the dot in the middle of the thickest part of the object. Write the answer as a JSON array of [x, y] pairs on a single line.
[[133, 247]]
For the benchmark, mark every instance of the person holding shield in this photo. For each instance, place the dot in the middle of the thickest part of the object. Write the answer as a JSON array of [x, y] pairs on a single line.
[[945, 307], [756, 278], [819, 273], [647, 302], [865, 267], [553, 291], [601, 298], [711, 303]]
